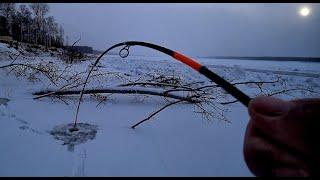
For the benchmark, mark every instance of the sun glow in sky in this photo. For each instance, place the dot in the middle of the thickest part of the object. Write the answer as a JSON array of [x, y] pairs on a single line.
[[305, 11]]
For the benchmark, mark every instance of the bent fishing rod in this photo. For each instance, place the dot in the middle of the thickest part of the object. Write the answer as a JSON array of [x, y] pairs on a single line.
[[124, 52]]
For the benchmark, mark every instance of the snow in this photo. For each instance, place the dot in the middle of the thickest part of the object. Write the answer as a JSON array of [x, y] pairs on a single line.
[[177, 142], [4, 48], [269, 65]]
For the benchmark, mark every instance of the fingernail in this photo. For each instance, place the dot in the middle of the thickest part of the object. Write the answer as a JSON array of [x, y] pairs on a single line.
[[268, 106]]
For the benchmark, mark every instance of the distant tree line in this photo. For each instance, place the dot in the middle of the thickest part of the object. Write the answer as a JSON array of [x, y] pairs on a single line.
[[31, 24]]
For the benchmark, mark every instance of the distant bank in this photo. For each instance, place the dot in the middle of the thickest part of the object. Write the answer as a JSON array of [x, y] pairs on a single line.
[[84, 49], [90, 50], [268, 58]]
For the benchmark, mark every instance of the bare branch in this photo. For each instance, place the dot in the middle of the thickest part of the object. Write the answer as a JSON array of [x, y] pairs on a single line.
[[154, 84], [230, 102], [294, 89], [156, 112], [43, 71], [275, 93]]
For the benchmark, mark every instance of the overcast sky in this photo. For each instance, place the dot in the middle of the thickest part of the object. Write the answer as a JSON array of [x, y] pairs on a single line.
[[196, 29]]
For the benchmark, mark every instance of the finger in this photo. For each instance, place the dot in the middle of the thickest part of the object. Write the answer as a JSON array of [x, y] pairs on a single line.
[[276, 154], [257, 157], [266, 112], [261, 155], [268, 106], [254, 137], [293, 123], [289, 172], [302, 125], [309, 108]]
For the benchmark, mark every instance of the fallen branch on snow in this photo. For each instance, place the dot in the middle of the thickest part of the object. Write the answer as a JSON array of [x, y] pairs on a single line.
[[42, 94]]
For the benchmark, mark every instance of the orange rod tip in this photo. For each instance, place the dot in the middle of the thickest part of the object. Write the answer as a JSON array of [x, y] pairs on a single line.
[[190, 62]]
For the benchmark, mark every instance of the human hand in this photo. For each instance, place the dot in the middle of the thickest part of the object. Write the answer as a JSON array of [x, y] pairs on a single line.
[[281, 137]]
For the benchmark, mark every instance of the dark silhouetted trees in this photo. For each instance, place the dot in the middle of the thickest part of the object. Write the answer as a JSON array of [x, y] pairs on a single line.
[[30, 24]]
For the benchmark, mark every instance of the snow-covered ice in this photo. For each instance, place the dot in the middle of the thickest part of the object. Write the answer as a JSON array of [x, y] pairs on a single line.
[[177, 142]]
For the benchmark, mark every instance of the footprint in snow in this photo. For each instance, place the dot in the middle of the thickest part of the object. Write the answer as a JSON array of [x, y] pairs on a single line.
[[4, 111]]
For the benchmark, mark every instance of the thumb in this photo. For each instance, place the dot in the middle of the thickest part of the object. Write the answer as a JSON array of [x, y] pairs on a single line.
[[266, 111], [268, 106]]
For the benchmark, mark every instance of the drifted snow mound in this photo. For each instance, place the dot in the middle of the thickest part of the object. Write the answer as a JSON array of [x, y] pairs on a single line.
[[84, 133]]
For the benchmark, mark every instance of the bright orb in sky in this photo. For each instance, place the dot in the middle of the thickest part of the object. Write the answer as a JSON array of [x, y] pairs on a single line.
[[305, 11]]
